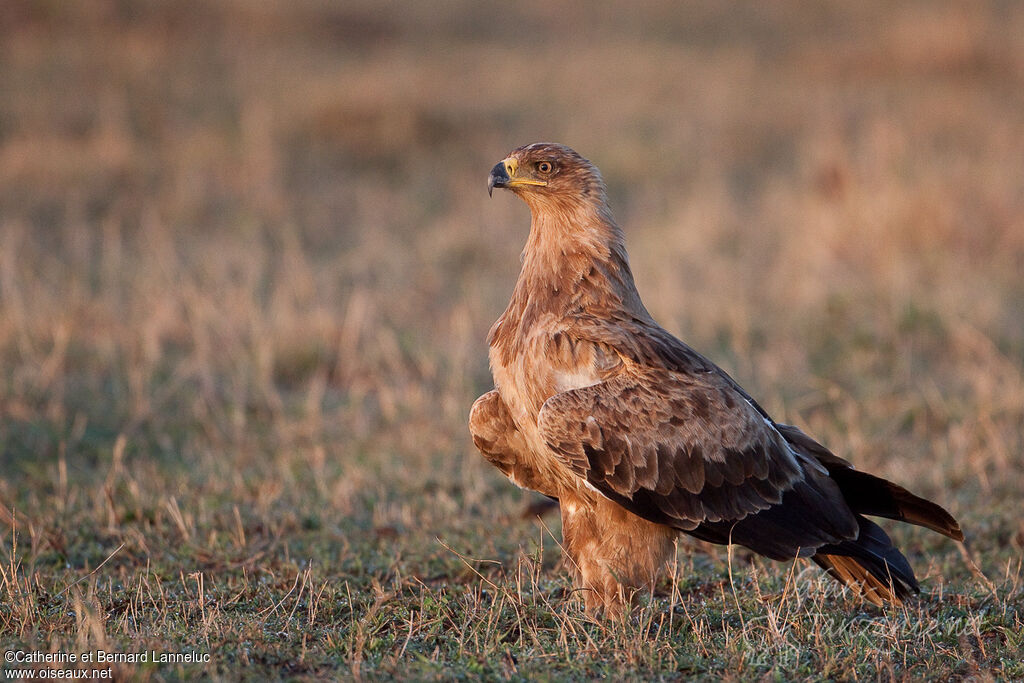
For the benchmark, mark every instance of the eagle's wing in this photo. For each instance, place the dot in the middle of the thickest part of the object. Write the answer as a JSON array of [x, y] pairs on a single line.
[[502, 444], [675, 448]]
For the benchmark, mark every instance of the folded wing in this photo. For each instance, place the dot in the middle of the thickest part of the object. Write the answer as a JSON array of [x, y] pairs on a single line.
[[680, 450]]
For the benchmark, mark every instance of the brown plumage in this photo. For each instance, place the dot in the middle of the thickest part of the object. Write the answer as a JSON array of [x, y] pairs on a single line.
[[638, 436]]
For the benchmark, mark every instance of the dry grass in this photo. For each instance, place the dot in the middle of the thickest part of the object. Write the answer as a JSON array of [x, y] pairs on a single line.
[[247, 265]]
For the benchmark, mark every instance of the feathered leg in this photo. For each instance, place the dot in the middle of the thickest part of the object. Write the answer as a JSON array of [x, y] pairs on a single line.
[[612, 552]]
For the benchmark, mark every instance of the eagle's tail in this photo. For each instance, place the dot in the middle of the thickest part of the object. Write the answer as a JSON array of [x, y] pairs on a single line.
[[871, 564]]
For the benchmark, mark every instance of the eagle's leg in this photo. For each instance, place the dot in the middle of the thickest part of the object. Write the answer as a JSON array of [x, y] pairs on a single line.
[[612, 552], [501, 442]]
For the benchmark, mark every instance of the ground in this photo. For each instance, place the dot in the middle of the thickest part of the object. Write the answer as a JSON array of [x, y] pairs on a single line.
[[248, 264]]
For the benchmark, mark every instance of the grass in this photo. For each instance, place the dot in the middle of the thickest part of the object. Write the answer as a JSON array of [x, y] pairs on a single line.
[[247, 266]]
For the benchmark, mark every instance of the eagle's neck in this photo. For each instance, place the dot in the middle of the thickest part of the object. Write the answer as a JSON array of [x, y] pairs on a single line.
[[574, 263]]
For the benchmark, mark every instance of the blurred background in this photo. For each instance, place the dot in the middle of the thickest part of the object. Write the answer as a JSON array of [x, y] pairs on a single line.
[[248, 261]]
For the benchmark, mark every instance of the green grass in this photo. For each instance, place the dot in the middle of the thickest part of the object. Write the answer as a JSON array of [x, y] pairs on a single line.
[[248, 264]]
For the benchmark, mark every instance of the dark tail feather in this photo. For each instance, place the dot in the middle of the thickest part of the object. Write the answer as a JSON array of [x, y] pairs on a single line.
[[871, 495], [870, 565]]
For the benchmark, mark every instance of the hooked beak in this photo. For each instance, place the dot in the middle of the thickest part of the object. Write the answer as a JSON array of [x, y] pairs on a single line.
[[506, 173], [499, 177]]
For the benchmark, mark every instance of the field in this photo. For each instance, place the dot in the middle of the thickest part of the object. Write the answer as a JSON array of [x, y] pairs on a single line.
[[248, 264]]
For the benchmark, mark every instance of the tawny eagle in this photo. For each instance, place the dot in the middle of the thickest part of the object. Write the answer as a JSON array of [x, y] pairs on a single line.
[[639, 437]]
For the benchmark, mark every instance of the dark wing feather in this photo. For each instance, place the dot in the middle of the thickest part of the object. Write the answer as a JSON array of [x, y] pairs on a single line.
[[811, 514], [676, 449]]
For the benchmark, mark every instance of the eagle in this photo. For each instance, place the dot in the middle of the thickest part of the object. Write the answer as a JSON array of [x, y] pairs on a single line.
[[638, 437]]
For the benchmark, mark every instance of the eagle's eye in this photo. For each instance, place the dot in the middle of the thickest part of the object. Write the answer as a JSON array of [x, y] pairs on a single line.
[[544, 167]]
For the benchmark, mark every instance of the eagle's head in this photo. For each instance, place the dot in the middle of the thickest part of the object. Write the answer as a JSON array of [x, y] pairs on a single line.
[[547, 172]]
